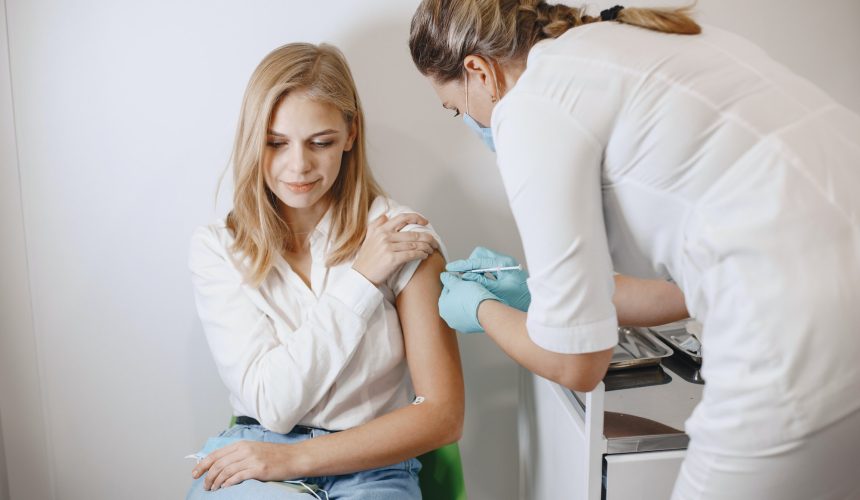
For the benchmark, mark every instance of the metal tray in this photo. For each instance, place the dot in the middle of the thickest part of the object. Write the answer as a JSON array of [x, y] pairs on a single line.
[[675, 335], [637, 347]]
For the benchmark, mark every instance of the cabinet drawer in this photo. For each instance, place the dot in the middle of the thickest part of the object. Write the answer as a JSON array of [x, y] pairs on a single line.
[[641, 476]]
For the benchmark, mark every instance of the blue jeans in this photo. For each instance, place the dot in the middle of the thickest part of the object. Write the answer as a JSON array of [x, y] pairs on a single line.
[[394, 482]]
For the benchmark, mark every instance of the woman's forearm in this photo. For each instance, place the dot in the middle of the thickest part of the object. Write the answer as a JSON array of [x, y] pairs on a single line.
[[402, 434], [640, 302]]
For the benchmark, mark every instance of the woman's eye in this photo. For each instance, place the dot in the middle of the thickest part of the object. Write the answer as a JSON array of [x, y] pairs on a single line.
[[322, 145], [276, 144]]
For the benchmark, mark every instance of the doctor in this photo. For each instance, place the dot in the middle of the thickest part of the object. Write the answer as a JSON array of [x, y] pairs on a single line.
[[635, 142]]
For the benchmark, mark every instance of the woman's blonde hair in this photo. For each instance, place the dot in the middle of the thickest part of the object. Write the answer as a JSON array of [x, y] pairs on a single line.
[[260, 232], [444, 32]]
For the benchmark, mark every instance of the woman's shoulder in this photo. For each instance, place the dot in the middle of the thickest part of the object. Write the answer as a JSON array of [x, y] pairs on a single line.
[[208, 241], [383, 205]]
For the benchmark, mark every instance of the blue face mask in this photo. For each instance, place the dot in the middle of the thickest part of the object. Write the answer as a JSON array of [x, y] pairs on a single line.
[[483, 133]]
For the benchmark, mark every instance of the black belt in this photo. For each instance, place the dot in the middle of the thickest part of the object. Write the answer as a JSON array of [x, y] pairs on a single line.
[[299, 429]]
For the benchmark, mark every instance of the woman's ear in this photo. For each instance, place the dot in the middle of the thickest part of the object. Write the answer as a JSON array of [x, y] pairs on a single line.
[[353, 133], [479, 70]]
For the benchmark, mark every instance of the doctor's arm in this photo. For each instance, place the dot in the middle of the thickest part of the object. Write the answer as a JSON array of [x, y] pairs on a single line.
[[507, 327], [638, 302], [641, 302], [551, 165]]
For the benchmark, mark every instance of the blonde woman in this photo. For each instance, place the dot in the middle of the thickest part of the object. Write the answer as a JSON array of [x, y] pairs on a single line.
[[313, 294], [636, 141]]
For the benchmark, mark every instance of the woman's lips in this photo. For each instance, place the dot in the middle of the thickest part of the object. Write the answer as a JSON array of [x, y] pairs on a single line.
[[301, 187]]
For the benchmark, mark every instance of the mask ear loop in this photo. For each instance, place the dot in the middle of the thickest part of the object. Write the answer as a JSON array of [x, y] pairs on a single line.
[[467, 92]]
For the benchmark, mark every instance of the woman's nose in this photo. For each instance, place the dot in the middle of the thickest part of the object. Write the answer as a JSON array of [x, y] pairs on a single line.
[[299, 161]]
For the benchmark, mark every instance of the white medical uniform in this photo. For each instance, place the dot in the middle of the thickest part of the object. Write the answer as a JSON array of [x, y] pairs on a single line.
[[330, 356], [700, 159]]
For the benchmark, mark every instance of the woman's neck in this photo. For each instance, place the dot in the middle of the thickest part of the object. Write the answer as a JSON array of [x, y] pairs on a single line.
[[511, 72], [302, 221]]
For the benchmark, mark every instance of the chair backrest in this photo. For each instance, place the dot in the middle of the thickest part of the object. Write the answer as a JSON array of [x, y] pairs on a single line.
[[441, 476]]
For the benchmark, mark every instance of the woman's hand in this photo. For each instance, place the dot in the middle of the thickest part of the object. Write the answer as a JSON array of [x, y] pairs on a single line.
[[245, 460], [385, 248]]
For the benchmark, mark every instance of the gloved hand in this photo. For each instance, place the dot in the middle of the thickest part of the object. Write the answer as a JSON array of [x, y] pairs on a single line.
[[458, 304], [509, 286]]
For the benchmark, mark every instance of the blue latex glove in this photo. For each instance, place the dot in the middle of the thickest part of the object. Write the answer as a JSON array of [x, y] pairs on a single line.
[[510, 286], [458, 304]]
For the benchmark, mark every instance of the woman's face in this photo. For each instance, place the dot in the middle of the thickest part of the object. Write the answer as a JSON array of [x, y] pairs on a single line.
[[305, 143]]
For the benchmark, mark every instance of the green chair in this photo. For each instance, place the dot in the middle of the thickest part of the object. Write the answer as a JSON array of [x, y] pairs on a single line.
[[441, 476]]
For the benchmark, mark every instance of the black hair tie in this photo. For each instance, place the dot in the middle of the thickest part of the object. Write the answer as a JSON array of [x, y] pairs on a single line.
[[610, 14]]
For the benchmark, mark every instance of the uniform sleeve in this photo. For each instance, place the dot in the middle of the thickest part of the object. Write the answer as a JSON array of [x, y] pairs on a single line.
[[551, 170], [279, 380]]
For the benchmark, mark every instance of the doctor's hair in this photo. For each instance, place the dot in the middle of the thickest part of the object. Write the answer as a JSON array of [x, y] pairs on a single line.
[[260, 233], [444, 32]]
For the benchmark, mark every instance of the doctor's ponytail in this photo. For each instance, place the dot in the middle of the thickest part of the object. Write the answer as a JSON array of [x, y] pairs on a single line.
[[444, 32]]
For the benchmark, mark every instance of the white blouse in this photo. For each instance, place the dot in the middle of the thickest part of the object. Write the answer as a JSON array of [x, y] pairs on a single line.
[[330, 356]]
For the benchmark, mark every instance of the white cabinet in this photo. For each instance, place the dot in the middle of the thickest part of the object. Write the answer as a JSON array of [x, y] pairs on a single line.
[[642, 476], [560, 452], [564, 452]]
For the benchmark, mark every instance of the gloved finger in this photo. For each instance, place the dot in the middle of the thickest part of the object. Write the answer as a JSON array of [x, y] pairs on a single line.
[[480, 252], [481, 279], [449, 280], [461, 266], [486, 253]]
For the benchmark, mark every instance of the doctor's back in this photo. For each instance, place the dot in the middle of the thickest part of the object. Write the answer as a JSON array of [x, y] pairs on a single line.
[[724, 171]]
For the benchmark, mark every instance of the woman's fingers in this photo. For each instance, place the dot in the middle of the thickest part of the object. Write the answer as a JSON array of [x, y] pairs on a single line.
[[402, 251], [228, 471], [397, 223], [386, 246], [242, 475], [414, 236], [405, 246], [409, 256], [228, 455], [379, 221], [210, 459]]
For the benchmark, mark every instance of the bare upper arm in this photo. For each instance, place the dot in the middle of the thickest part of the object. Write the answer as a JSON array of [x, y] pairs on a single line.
[[431, 346]]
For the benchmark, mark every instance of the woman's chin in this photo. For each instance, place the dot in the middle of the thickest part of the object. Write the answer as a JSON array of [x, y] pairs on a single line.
[[300, 200]]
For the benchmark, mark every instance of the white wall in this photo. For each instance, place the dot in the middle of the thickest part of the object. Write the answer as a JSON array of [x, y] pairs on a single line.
[[124, 113], [27, 468], [4, 481]]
